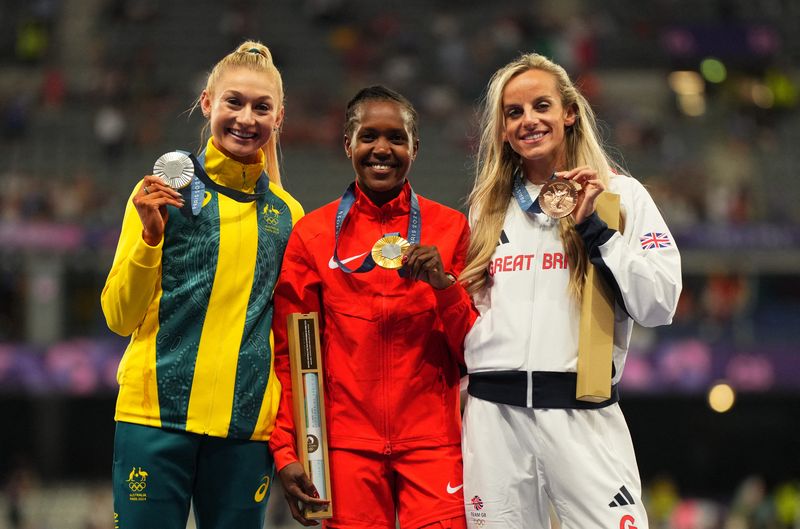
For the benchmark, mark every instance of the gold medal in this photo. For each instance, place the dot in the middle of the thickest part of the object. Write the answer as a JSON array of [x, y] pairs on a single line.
[[174, 169], [388, 252], [558, 197]]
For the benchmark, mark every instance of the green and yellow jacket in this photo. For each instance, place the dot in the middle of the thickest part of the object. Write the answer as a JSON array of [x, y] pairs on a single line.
[[198, 308]]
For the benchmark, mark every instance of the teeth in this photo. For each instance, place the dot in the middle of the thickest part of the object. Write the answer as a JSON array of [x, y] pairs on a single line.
[[242, 135], [534, 136], [380, 167]]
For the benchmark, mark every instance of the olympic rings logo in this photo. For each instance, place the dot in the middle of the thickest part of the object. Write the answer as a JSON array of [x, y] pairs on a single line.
[[137, 486], [271, 214]]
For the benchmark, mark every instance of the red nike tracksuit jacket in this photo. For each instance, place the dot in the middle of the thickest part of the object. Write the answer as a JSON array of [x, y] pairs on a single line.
[[391, 346]]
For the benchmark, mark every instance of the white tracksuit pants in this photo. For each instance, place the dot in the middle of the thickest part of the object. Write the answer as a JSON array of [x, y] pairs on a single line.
[[518, 460]]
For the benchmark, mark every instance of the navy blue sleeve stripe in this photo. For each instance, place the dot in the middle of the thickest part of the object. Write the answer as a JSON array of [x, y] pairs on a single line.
[[595, 233]]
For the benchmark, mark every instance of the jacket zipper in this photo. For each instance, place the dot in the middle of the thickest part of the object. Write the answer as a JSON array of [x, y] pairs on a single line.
[[537, 259], [386, 351]]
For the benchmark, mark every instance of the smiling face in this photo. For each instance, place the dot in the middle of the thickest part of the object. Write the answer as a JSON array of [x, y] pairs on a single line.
[[243, 108], [534, 122], [381, 148]]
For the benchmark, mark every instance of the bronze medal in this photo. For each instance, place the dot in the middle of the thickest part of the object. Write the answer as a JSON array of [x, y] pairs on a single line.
[[174, 169], [558, 197], [388, 252]]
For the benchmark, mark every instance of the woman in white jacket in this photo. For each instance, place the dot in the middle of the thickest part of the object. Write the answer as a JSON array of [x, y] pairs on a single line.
[[527, 441]]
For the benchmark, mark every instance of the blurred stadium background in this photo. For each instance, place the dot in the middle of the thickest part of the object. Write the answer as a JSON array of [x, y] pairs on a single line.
[[700, 99]]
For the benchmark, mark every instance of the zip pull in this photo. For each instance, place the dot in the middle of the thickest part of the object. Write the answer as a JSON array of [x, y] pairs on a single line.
[[387, 448]]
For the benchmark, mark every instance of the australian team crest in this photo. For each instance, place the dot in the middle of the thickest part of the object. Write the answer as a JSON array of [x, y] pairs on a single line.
[[271, 216], [137, 482]]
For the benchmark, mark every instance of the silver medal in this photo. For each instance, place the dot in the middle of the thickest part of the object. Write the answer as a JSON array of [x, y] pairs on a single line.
[[175, 169]]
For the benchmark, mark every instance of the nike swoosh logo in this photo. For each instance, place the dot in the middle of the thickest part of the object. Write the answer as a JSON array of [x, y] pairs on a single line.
[[453, 490], [333, 265]]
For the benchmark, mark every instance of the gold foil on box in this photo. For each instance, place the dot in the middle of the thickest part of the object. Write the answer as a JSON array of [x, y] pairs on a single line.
[[308, 397], [596, 336]]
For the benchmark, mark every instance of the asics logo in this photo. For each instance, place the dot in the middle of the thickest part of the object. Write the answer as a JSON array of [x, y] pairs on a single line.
[[333, 265], [453, 490], [261, 491]]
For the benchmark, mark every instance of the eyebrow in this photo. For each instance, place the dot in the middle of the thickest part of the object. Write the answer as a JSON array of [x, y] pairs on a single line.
[[538, 99], [229, 91], [376, 129]]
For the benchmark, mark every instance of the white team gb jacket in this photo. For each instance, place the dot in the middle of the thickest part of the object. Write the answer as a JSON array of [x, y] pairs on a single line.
[[528, 319]]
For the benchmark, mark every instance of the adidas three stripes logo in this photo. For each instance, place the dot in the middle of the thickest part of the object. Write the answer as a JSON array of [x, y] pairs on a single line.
[[622, 498], [503, 238]]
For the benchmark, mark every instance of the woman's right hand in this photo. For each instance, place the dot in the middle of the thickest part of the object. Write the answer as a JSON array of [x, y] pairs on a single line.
[[298, 487], [151, 204], [591, 188]]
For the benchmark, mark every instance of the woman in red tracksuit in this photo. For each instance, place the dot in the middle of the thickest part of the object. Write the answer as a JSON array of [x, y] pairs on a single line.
[[392, 339]]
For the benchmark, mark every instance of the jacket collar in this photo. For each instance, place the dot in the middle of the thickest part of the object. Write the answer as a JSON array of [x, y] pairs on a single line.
[[230, 173], [399, 205]]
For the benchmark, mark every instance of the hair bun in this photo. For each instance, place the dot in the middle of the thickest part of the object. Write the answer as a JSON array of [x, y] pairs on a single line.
[[255, 48]]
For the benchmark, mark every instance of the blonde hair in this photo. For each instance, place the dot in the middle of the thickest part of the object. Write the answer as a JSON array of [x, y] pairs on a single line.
[[496, 163], [254, 56]]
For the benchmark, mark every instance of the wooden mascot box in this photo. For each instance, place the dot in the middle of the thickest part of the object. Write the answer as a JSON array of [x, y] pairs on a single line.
[[596, 338], [308, 395]]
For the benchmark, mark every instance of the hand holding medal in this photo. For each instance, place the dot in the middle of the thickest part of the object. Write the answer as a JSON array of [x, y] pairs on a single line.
[[393, 252], [558, 197], [175, 169], [155, 195], [571, 192], [424, 263]]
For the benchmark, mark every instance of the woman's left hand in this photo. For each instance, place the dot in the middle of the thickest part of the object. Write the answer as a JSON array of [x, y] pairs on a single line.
[[424, 263], [591, 187]]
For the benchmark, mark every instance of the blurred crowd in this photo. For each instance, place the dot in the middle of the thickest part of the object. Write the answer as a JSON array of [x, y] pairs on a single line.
[[703, 166]]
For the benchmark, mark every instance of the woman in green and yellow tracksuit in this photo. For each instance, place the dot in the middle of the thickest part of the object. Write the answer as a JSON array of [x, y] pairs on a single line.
[[192, 283]]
